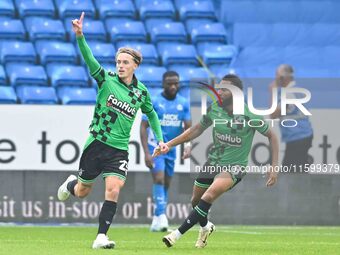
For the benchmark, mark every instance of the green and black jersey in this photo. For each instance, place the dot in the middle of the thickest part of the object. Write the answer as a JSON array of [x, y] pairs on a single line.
[[232, 135], [116, 105]]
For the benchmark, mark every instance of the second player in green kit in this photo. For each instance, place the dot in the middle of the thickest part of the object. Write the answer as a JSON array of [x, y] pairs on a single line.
[[227, 158]]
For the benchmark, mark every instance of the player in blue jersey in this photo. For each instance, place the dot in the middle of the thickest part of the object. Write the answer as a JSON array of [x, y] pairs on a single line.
[[174, 114], [298, 139]]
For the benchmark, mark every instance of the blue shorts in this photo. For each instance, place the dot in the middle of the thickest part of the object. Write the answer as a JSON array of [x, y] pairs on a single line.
[[164, 164]]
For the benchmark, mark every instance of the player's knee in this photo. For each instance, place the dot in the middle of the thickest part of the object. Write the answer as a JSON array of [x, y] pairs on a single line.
[[82, 193], [112, 193], [159, 180]]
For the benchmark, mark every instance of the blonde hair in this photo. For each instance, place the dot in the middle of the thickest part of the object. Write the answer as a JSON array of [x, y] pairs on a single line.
[[136, 55]]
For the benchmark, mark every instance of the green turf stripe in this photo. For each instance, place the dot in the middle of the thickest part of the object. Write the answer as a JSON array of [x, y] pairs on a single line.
[[85, 181], [120, 176], [201, 185], [200, 211]]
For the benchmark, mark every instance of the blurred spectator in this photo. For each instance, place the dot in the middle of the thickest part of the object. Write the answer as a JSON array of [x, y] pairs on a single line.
[[298, 139]]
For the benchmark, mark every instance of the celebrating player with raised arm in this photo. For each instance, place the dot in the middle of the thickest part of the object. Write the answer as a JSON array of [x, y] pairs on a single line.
[[231, 147], [120, 96]]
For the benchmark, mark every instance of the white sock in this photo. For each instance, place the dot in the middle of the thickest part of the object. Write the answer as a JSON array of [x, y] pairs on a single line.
[[206, 227], [177, 234]]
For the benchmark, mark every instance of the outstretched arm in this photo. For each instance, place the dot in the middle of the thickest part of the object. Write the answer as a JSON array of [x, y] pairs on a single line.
[[144, 140], [91, 62]]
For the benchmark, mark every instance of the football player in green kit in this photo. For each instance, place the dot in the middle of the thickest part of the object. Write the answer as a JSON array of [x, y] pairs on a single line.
[[230, 151], [120, 95]]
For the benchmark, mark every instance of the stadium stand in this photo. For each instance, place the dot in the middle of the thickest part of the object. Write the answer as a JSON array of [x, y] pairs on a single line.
[[7, 95], [67, 75], [43, 8], [247, 37], [3, 78], [151, 76], [17, 51], [12, 29], [116, 8], [121, 29], [71, 95], [26, 74], [72, 8], [56, 51], [44, 28], [102, 51], [7, 8], [156, 9], [36, 95], [94, 30]]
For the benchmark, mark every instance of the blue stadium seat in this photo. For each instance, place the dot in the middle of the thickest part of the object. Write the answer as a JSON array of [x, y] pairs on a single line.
[[17, 51], [26, 74], [151, 76], [285, 34], [154, 91], [93, 29], [156, 9], [190, 24], [177, 54], [55, 51], [45, 28], [195, 9], [219, 54], [67, 75], [121, 29], [190, 74], [77, 96], [3, 78], [259, 56], [37, 95], [7, 8], [171, 31], [306, 57], [12, 29], [35, 8], [103, 52], [308, 11], [149, 52], [109, 67], [7, 95], [214, 32], [150, 23], [115, 8], [73, 8]]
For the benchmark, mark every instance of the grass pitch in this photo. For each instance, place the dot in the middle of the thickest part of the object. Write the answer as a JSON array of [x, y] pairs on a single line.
[[138, 240]]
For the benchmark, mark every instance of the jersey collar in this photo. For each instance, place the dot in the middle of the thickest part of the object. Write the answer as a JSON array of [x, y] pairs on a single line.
[[134, 82]]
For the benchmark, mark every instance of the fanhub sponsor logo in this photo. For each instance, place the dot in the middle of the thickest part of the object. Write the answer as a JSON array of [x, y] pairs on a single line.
[[122, 107], [229, 139]]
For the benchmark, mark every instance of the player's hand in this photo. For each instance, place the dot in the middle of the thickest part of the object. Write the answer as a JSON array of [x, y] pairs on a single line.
[[186, 152], [272, 178], [77, 25], [149, 161], [162, 148]]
